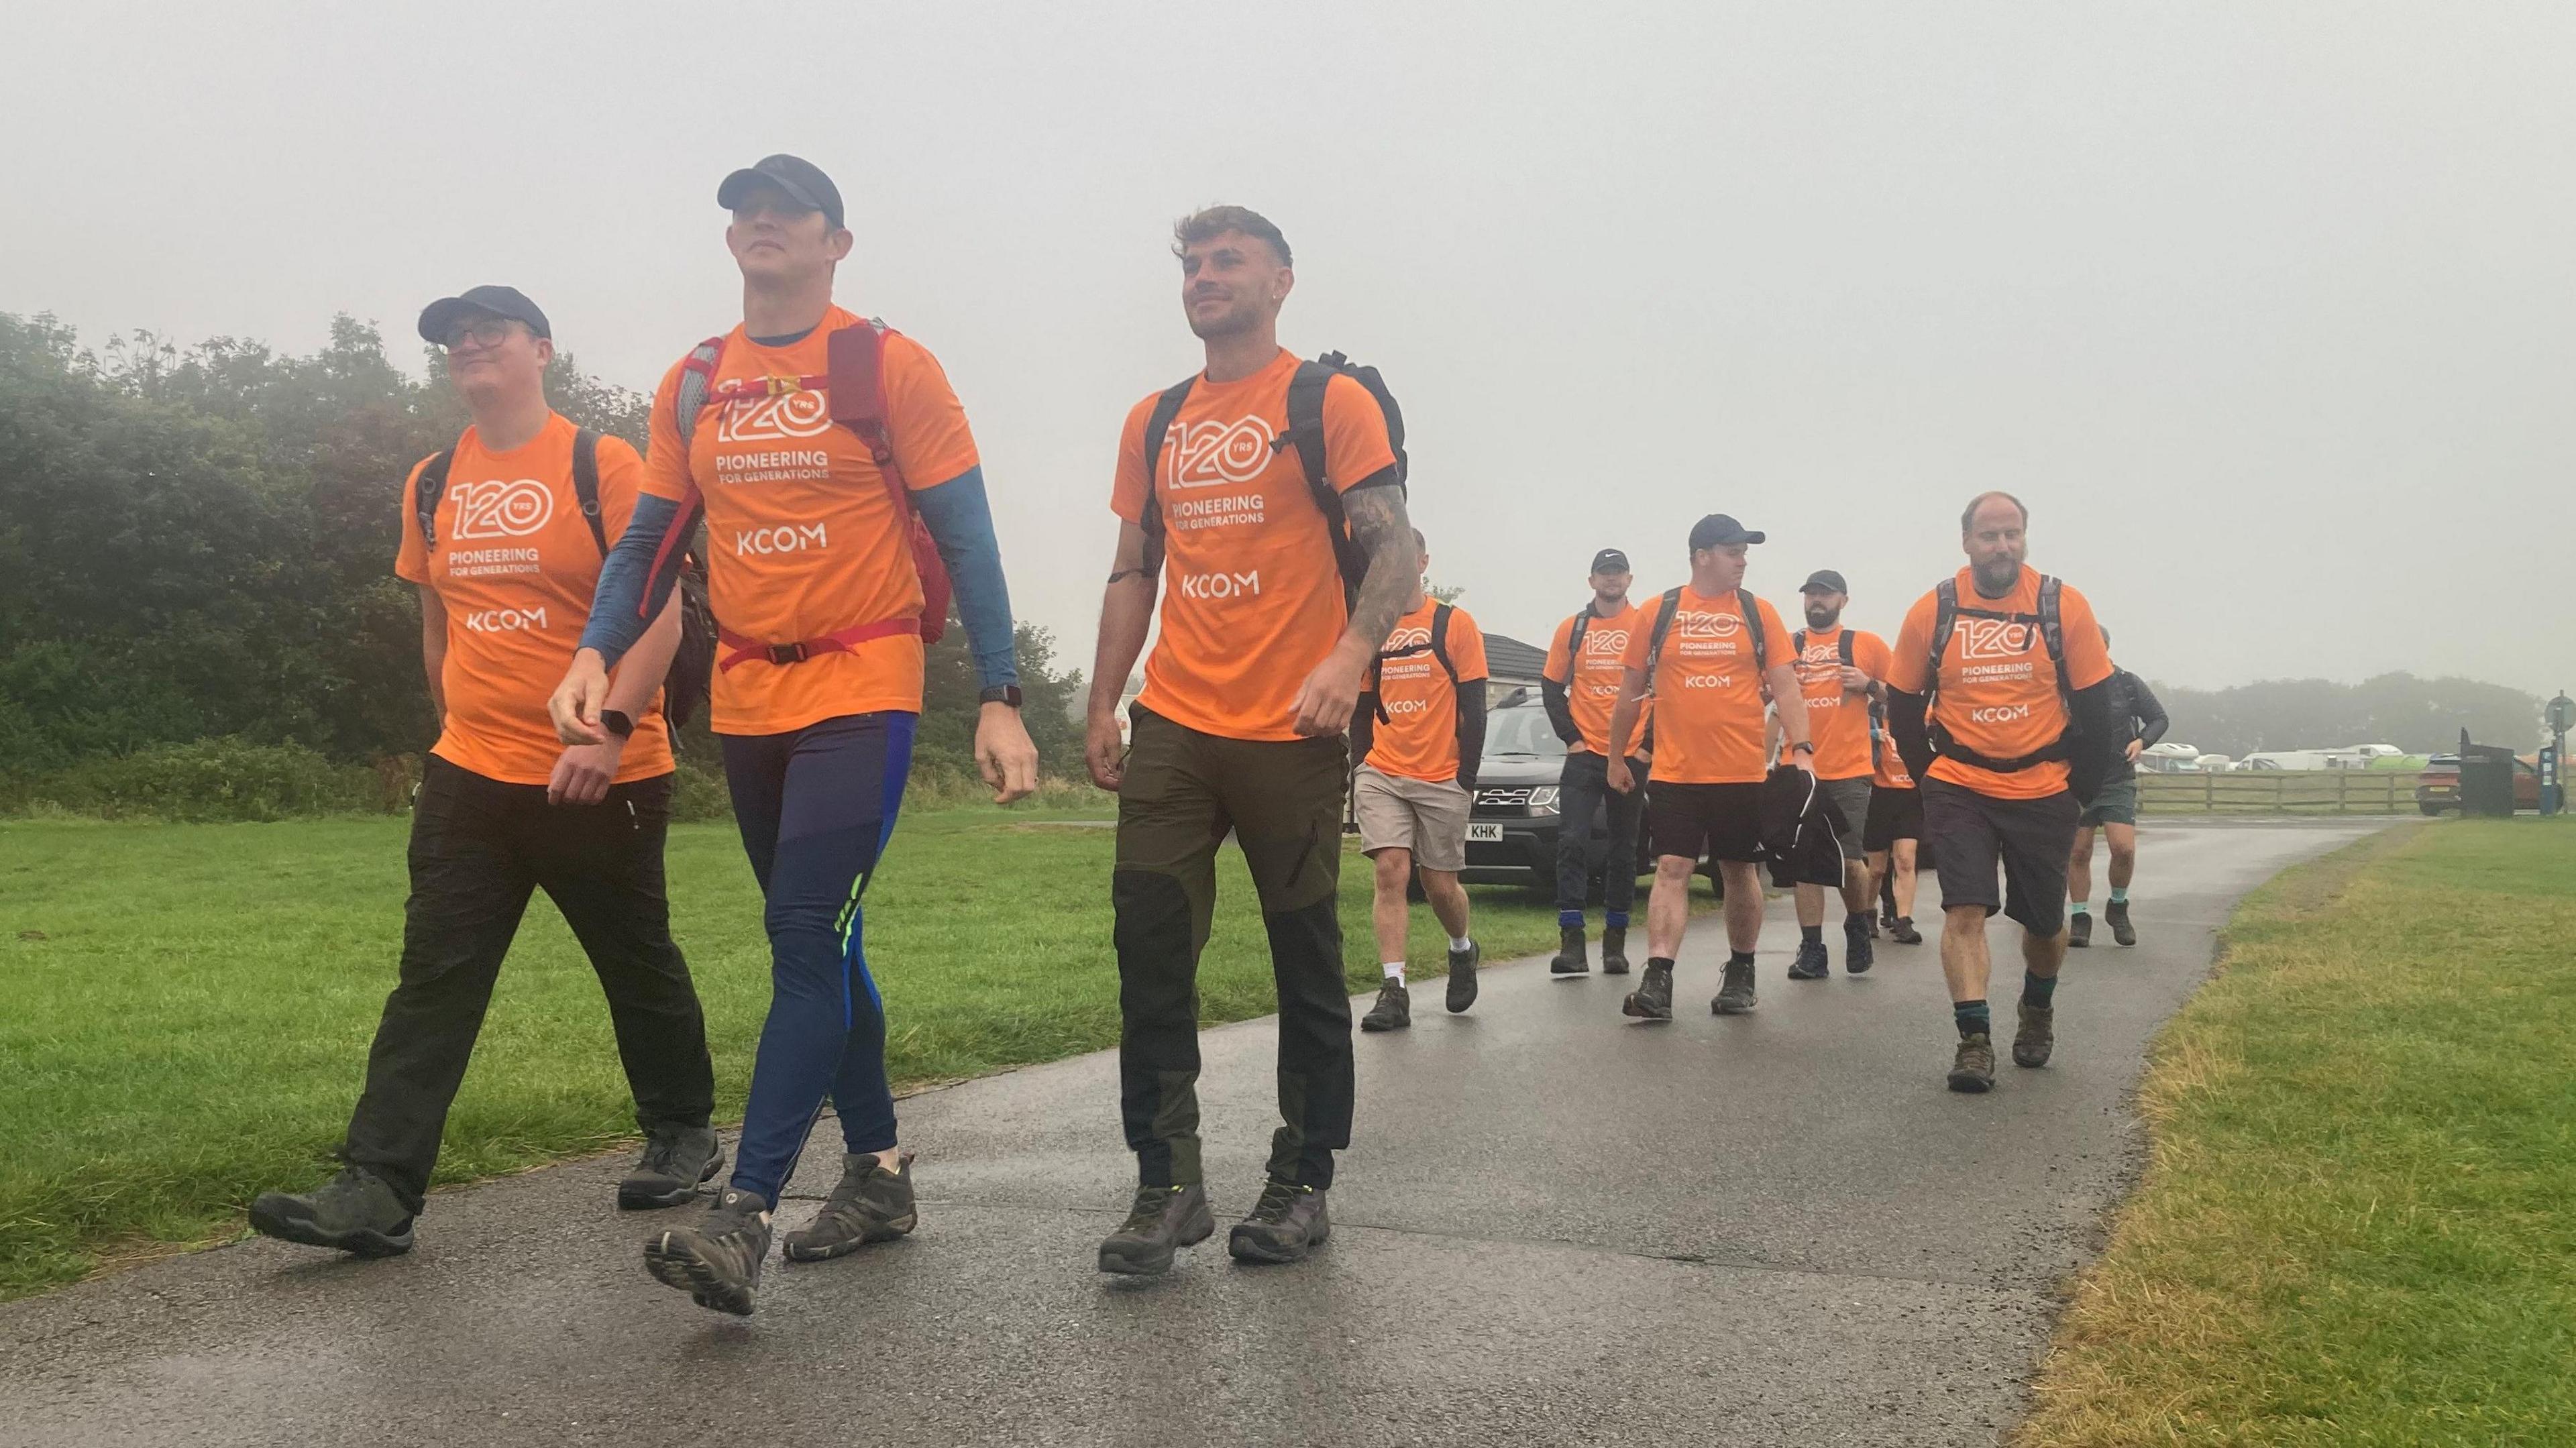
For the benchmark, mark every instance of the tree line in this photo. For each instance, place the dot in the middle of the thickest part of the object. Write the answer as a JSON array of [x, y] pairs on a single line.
[[2420, 716], [197, 542]]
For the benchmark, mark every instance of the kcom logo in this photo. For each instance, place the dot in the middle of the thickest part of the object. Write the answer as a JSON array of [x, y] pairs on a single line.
[[505, 620]]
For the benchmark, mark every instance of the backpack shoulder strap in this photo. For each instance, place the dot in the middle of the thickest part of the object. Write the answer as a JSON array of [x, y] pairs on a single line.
[[2052, 630], [1847, 649], [1440, 616], [1306, 429], [1574, 641], [1158, 426], [1751, 608], [1672, 603], [697, 375], [431, 487], [860, 404], [1798, 643], [1945, 622], [585, 485]]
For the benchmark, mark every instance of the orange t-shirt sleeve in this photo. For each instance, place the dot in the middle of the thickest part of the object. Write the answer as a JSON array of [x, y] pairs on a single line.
[[1559, 668], [925, 421], [666, 463], [1466, 647], [1870, 655], [1779, 646], [1908, 669], [2088, 662], [1642, 636], [1128, 486], [411, 556], [1355, 444]]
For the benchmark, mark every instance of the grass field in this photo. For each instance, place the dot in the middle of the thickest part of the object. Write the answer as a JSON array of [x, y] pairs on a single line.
[[2358, 1225], [189, 1006]]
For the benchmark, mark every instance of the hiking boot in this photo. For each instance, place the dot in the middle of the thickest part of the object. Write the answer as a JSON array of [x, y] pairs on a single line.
[[1858, 957], [1735, 992], [1872, 922], [2118, 915], [870, 1204], [717, 1262], [1393, 1011], [2079, 930], [1974, 1068], [1812, 962], [1903, 931], [2037, 1034], [1286, 1224], [677, 1161], [1163, 1220], [1462, 976], [1614, 950], [354, 1212], [1652, 1000], [1573, 957]]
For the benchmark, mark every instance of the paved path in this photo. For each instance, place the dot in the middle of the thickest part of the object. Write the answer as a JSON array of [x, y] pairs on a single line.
[[1556, 1227]]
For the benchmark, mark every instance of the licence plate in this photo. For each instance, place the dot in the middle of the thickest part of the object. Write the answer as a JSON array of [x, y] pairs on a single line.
[[1485, 833]]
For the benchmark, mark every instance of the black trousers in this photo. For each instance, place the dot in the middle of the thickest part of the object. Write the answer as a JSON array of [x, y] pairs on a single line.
[[1581, 789], [1282, 800], [478, 849]]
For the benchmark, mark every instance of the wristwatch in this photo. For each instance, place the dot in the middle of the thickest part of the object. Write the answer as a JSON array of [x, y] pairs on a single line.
[[1000, 694], [616, 723], [1804, 746]]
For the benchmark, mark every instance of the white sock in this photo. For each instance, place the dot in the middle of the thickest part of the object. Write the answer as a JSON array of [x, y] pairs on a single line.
[[1394, 971], [1460, 942]]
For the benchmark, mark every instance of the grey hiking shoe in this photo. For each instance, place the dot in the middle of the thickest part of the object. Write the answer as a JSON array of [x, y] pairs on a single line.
[[1858, 954], [717, 1262], [1573, 956], [1163, 1220], [2079, 930], [1286, 1224], [1735, 992], [1903, 931], [1652, 1000], [2037, 1035], [1462, 976], [2116, 914], [1973, 1069], [1393, 1011], [354, 1212], [870, 1204], [677, 1161], [1812, 963], [1614, 950]]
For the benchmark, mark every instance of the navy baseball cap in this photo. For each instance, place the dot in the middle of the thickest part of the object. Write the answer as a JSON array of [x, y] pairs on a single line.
[[440, 317], [802, 180], [1824, 580], [1717, 530], [1610, 560]]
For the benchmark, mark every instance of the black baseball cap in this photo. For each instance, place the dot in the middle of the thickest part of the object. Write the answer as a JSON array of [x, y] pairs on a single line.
[[1610, 560], [440, 317], [802, 180], [1717, 530], [1824, 580]]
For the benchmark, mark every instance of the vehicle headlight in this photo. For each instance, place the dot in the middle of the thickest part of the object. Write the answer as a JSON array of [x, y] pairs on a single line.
[[1542, 800]]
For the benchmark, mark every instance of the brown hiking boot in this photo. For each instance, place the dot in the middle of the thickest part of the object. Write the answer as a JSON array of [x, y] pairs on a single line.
[[2038, 1032], [1974, 1068]]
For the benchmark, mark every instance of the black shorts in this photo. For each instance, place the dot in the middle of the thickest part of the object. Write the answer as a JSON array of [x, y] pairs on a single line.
[[1724, 820], [1971, 833], [1894, 814]]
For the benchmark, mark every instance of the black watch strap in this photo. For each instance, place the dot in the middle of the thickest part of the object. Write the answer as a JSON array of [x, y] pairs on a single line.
[[1000, 694], [616, 723]]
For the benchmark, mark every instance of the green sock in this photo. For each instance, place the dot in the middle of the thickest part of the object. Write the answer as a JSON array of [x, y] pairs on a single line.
[[2037, 990], [2119, 894], [2080, 907]]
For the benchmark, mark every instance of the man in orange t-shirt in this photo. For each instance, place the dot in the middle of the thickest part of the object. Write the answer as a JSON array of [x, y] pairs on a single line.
[[1707, 669], [1586, 662], [1895, 826], [505, 572], [1416, 785], [810, 441], [1996, 698], [1240, 726], [1839, 674]]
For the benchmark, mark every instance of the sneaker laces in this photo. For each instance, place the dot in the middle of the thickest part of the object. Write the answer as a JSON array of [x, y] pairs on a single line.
[[1148, 1210], [661, 1153], [1278, 1198]]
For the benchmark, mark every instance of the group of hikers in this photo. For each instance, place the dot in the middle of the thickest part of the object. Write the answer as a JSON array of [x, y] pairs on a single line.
[[1261, 503]]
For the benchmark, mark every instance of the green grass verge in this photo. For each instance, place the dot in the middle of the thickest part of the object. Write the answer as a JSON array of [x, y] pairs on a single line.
[[2355, 1228], [189, 1006]]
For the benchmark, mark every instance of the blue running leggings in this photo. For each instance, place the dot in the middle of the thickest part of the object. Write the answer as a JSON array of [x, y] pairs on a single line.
[[816, 806]]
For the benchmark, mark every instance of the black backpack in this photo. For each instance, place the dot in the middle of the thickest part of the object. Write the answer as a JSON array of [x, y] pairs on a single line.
[[1306, 434], [1664, 625], [2052, 633], [1438, 648], [684, 687], [1842, 646]]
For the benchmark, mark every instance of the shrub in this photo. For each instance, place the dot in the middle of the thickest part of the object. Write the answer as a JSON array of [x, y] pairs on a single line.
[[208, 780]]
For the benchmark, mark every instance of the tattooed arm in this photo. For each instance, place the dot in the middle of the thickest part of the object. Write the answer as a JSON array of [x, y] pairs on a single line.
[[1380, 527]]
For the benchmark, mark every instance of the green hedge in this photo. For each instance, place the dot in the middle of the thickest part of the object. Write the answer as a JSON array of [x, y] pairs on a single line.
[[211, 780]]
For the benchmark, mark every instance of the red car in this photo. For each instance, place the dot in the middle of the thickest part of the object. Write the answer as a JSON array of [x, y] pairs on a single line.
[[2438, 787]]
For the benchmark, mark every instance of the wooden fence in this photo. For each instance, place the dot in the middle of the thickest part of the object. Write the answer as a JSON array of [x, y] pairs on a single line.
[[2280, 791]]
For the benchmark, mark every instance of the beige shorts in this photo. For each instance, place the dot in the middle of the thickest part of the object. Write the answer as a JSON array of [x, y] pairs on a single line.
[[1429, 819]]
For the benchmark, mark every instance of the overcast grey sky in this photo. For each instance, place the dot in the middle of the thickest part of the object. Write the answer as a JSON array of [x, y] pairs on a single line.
[[2265, 309]]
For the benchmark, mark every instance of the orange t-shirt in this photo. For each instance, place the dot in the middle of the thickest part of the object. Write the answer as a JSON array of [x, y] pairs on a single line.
[[1998, 691], [802, 538], [1708, 721], [1838, 721], [1252, 593], [1418, 739], [1592, 682], [516, 565]]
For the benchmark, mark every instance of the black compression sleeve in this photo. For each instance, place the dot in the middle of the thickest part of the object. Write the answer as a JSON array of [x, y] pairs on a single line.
[[1560, 714], [1905, 725], [2099, 741], [1364, 727], [1471, 730]]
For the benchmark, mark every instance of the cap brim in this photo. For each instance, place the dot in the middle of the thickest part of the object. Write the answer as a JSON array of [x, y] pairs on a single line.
[[440, 316], [729, 194]]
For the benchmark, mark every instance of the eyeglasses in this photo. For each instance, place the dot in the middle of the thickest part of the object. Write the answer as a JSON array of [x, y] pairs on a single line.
[[489, 332]]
